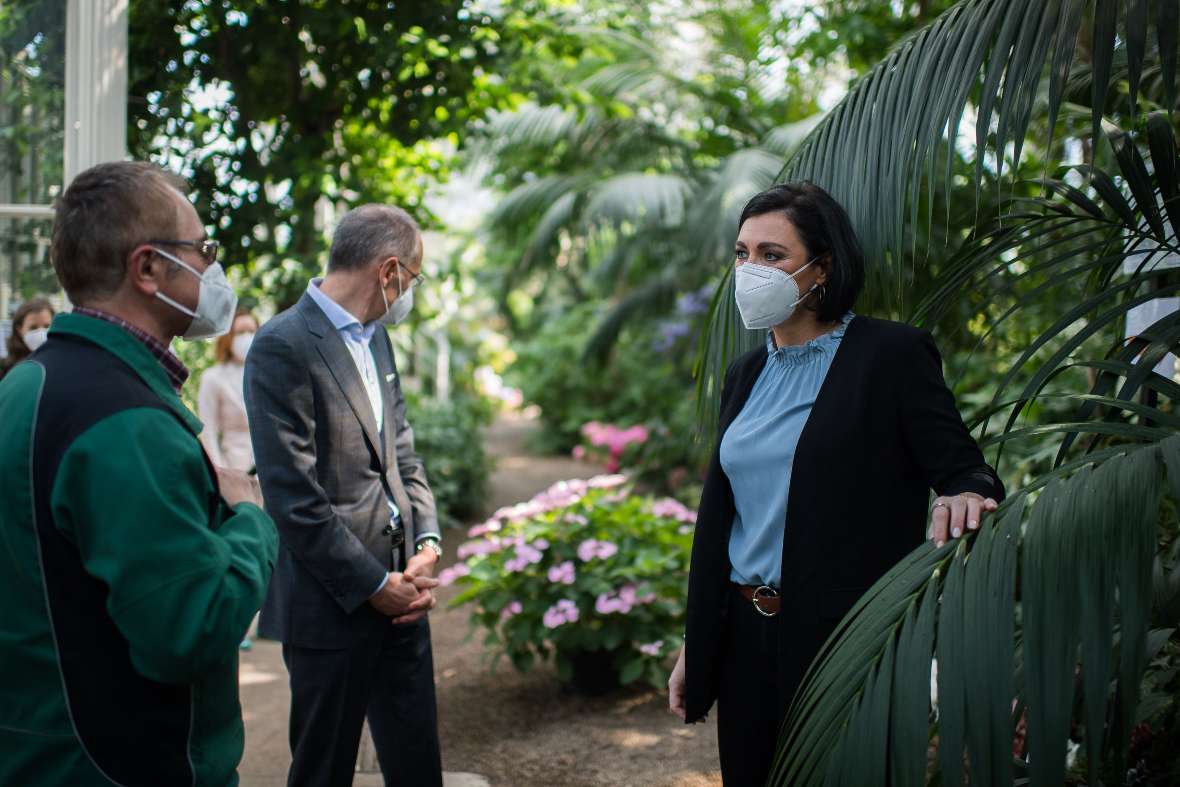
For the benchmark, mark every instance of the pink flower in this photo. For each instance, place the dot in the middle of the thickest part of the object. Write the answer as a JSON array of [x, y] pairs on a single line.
[[673, 509], [564, 611], [612, 464], [511, 610], [486, 546], [490, 526], [605, 604], [578, 453], [652, 648], [448, 575], [606, 481], [590, 549], [623, 600], [563, 574], [576, 519]]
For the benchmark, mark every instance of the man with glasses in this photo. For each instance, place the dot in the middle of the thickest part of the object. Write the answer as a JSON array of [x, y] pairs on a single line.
[[132, 567], [357, 524]]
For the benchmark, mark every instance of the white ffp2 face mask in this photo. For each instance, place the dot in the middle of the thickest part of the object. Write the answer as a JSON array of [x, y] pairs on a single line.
[[241, 345], [400, 309], [216, 301], [35, 338], [766, 296]]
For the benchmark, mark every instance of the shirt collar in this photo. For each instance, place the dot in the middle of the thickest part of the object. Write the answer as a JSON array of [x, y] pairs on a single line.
[[341, 318], [175, 369]]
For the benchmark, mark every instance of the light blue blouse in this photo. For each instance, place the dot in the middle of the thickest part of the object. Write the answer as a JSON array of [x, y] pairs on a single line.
[[758, 450]]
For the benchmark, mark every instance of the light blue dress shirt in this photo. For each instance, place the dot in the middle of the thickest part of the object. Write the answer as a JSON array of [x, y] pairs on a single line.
[[758, 451], [357, 339]]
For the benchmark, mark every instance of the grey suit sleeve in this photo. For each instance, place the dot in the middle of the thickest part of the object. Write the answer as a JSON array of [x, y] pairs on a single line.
[[280, 406], [410, 467]]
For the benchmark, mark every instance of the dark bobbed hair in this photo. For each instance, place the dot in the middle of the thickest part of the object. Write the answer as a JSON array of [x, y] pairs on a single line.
[[826, 230]]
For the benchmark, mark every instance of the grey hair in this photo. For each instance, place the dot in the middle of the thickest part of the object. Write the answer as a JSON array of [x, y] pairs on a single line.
[[370, 233]]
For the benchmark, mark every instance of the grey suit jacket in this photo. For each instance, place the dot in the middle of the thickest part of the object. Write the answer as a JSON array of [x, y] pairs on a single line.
[[321, 463]]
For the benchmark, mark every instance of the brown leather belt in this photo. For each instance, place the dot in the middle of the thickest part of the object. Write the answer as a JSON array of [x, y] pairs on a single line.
[[764, 598]]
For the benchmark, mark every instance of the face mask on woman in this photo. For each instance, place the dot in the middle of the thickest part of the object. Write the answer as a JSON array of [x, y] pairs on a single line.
[[767, 296], [241, 345], [35, 338]]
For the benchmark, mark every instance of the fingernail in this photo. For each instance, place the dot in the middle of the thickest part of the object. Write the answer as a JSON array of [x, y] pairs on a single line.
[[939, 543], [958, 531], [972, 524]]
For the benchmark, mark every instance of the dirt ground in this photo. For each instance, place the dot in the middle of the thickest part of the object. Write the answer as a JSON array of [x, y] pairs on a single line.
[[509, 728]]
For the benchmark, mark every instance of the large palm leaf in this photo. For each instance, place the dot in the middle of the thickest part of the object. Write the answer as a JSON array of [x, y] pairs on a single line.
[[1071, 555], [891, 143]]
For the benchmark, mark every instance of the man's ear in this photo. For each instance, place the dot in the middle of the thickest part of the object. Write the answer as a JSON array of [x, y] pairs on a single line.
[[144, 271], [389, 271]]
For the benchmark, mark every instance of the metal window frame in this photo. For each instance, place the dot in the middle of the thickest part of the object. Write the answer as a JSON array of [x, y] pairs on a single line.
[[95, 96]]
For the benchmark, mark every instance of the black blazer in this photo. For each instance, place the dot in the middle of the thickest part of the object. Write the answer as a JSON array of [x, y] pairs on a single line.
[[884, 430]]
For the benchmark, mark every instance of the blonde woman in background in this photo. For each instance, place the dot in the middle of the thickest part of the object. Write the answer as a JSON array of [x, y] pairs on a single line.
[[226, 435]]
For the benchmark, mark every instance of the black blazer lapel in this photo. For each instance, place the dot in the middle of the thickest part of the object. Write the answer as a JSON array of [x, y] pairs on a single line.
[[339, 362]]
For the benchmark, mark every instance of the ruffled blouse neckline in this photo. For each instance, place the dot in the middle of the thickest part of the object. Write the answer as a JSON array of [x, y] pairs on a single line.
[[799, 354]]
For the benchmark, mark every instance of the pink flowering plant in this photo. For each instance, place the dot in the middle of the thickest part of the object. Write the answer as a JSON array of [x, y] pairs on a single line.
[[612, 446], [586, 567]]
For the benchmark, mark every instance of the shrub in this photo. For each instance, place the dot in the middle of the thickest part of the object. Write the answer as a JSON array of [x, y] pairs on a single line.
[[448, 436], [586, 567]]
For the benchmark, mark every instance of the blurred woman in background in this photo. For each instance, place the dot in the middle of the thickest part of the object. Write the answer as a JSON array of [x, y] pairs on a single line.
[[221, 405], [30, 328]]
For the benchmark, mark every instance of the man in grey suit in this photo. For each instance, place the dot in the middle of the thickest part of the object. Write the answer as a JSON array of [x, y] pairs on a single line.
[[358, 531]]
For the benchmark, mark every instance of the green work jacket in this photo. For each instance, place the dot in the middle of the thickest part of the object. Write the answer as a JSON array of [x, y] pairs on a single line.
[[126, 580]]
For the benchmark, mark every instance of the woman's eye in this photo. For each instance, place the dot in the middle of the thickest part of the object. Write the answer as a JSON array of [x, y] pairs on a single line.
[[772, 257], [740, 254]]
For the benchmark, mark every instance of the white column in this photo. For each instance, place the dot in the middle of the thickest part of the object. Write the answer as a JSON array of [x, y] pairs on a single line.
[[96, 84]]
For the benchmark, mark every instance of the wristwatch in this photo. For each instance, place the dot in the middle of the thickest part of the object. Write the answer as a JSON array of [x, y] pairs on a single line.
[[431, 543]]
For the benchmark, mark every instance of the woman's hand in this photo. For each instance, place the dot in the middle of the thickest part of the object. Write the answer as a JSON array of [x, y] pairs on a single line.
[[676, 688], [951, 514]]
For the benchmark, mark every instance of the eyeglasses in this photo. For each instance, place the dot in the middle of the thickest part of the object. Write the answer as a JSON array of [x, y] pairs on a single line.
[[417, 279], [208, 249]]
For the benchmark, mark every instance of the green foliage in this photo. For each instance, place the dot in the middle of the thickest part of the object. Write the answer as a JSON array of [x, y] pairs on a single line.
[[584, 567], [277, 110], [448, 435], [1060, 613], [637, 385]]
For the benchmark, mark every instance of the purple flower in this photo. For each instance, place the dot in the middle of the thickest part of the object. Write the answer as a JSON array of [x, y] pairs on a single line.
[[590, 549], [652, 648], [673, 509], [563, 574], [448, 575], [564, 611], [511, 610]]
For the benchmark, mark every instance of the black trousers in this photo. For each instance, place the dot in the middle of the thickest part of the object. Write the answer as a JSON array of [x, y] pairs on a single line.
[[752, 700], [388, 679]]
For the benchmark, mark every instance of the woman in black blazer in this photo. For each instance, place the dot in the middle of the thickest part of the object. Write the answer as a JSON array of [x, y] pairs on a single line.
[[830, 440]]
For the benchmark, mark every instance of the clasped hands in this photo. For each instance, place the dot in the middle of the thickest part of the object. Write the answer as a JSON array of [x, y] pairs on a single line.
[[406, 596]]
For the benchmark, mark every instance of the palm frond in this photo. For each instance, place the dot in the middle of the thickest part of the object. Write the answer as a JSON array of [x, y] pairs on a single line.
[[864, 703]]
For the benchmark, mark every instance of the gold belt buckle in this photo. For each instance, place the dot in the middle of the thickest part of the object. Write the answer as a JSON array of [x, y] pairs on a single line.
[[769, 593]]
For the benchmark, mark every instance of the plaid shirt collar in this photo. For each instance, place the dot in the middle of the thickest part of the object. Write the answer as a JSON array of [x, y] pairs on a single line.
[[176, 371]]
